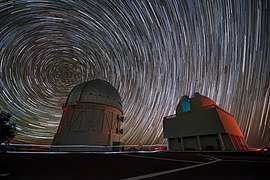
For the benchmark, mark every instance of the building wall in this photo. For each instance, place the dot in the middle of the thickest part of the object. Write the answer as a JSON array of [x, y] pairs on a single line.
[[229, 122], [89, 124], [203, 122], [175, 144], [228, 144], [191, 143], [210, 142], [208, 126], [195, 143]]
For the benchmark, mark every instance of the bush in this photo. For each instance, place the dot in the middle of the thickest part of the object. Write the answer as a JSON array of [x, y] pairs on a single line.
[[7, 128]]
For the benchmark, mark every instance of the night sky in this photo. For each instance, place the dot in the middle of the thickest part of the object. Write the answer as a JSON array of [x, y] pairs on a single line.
[[152, 52]]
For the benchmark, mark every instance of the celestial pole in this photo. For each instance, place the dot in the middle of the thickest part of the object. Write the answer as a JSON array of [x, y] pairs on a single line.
[[152, 51]]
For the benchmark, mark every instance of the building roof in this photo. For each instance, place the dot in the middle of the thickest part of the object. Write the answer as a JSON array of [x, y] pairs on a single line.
[[95, 91]]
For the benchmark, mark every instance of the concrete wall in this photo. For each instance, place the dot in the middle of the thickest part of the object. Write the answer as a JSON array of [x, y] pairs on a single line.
[[210, 142], [191, 143], [228, 144], [175, 144], [203, 122]]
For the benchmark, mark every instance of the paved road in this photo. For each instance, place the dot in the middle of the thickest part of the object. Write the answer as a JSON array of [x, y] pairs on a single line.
[[151, 165]]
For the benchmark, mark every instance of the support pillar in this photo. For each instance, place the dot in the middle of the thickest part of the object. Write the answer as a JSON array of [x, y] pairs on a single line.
[[199, 143], [223, 148], [182, 144]]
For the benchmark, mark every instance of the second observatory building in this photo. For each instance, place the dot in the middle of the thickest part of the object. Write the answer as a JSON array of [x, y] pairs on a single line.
[[199, 124], [92, 116]]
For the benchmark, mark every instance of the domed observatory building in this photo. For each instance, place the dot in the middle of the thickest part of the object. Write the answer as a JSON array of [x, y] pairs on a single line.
[[91, 119], [199, 124]]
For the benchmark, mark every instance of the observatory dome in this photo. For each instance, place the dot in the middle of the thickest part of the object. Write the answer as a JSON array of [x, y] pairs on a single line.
[[95, 91], [196, 103], [202, 101]]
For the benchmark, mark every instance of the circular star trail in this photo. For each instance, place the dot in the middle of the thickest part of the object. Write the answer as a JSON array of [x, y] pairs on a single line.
[[153, 52]]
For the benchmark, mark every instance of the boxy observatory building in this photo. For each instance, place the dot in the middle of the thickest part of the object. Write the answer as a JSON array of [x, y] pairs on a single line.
[[199, 124], [91, 119]]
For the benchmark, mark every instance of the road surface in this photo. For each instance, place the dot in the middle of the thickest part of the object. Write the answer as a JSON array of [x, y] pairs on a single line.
[[132, 165]]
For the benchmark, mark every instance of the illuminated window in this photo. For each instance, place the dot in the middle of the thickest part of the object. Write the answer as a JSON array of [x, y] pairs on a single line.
[[186, 105]]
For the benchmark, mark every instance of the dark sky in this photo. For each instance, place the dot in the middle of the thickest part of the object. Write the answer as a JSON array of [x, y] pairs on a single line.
[[153, 52]]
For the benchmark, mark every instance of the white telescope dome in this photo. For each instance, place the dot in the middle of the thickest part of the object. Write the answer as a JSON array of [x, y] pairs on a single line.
[[95, 91]]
